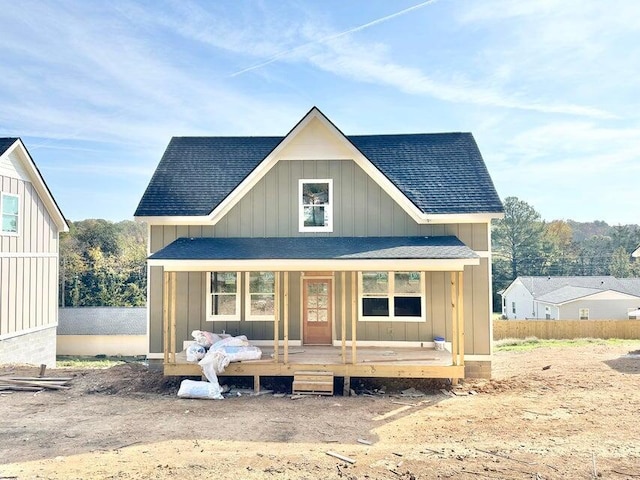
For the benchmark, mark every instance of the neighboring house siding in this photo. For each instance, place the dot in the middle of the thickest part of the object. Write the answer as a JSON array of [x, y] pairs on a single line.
[[599, 309], [524, 304], [28, 264]]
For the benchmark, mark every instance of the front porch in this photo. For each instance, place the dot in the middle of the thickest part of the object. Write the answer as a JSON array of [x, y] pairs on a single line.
[[345, 358]]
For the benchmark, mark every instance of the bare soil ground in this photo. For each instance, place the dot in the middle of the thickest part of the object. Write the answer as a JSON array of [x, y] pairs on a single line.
[[577, 419]]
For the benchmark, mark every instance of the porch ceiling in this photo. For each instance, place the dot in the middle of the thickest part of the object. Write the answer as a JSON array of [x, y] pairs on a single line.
[[440, 253]]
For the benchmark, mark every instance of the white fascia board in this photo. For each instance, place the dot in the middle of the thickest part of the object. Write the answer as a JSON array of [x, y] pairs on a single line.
[[315, 265], [208, 220], [169, 220], [39, 184]]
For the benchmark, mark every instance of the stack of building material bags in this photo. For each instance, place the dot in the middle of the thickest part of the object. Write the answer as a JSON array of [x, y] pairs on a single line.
[[213, 353]]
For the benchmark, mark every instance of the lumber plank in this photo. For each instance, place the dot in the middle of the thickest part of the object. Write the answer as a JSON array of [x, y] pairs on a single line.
[[341, 457]]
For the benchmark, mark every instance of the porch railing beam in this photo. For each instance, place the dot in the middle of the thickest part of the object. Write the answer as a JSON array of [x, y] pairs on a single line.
[[343, 316], [276, 316], [354, 318], [454, 319], [165, 315], [172, 314], [285, 316], [461, 317]]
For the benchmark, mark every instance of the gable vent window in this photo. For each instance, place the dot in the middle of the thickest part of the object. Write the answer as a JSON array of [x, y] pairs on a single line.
[[316, 205], [9, 208]]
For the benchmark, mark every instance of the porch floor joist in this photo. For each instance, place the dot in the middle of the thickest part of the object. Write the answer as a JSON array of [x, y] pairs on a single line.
[[371, 362]]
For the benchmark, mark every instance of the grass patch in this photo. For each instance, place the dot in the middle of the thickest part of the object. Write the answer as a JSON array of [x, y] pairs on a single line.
[[99, 361], [530, 343]]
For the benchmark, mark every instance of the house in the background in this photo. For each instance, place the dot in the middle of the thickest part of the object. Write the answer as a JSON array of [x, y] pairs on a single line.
[[111, 331], [636, 253], [29, 241], [349, 247], [571, 298]]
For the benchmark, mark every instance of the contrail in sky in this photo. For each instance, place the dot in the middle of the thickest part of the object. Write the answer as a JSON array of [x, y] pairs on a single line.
[[331, 37]]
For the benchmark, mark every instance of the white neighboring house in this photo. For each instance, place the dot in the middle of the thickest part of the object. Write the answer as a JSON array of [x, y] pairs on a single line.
[[30, 226], [571, 298]]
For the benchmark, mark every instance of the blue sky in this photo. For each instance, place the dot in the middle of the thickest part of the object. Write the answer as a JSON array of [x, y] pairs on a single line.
[[550, 88]]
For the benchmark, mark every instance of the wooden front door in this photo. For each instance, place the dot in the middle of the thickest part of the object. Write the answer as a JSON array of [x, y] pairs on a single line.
[[317, 311]]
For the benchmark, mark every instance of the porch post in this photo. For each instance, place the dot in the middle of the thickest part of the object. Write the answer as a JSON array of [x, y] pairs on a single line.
[[343, 301], [461, 316], [285, 313], [454, 320], [172, 280], [354, 318], [276, 316], [165, 315]]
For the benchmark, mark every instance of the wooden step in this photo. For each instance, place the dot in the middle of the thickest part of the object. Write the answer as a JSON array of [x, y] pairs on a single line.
[[313, 383]]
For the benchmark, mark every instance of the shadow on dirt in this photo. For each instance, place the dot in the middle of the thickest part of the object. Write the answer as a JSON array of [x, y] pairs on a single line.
[[629, 363]]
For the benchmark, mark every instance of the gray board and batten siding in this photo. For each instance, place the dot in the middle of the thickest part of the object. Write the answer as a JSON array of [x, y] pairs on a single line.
[[361, 208]]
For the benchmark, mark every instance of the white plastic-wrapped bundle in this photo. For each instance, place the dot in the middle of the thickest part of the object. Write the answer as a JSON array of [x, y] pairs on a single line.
[[239, 354], [214, 362], [199, 389], [195, 352], [206, 339]]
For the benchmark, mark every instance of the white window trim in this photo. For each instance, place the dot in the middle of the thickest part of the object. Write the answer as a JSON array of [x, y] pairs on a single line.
[[209, 295], [247, 302], [328, 206], [580, 310], [392, 317], [2, 197]]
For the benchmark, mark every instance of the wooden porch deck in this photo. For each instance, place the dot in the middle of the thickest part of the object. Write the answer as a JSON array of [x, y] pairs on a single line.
[[402, 362]]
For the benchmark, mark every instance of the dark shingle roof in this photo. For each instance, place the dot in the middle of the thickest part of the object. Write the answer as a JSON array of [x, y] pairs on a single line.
[[445, 247], [102, 321], [6, 142], [559, 289], [441, 173]]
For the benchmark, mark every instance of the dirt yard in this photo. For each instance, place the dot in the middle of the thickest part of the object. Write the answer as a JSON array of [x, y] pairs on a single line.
[[577, 419]]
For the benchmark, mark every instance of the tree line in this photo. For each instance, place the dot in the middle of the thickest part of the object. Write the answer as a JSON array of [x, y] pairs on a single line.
[[525, 245], [103, 264]]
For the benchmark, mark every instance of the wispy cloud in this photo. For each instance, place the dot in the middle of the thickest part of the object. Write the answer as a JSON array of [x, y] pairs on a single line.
[[340, 54], [328, 38]]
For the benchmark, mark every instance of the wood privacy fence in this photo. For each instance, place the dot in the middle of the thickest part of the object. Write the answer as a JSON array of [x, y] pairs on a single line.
[[566, 329]]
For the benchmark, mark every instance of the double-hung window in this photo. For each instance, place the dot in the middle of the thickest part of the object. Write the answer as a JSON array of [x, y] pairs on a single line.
[[316, 205], [260, 296], [10, 213], [583, 313], [398, 296], [223, 300]]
